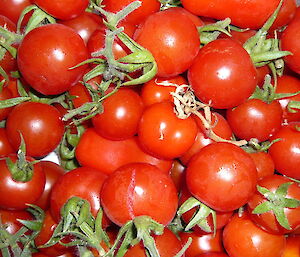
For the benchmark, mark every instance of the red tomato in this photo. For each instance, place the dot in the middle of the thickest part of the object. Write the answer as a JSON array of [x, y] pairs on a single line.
[[141, 189], [46, 55], [212, 254], [289, 42], [137, 16], [168, 245], [40, 125], [227, 179], [255, 119], [177, 173], [5, 94], [121, 115], [267, 220], [107, 155], [63, 9], [81, 95], [223, 74], [52, 171], [292, 248], [286, 152], [83, 182], [264, 164], [13, 8], [16, 194], [173, 45], [5, 146], [160, 128], [241, 237]]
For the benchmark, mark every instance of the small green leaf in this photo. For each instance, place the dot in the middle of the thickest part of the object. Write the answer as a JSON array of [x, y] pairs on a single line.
[[263, 208]]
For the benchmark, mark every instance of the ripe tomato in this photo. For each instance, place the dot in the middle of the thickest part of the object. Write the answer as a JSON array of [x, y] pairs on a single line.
[[5, 146], [212, 254], [264, 164], [13, 8], [159, 128], [241, 237], [46, 55], [5, 94], [223, 74], [267, 220], [40, 125], [140, 189], [286, 152], [64, 9], [121, 115], [227, 179], [16, 194], [255, 119], [173, 45], [292, 248], [81, 95]]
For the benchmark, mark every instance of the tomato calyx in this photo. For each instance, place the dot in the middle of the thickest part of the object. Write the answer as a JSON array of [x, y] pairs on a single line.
[[21, 243], [166, 4], [255, 146], [78, 222], [276, 202], [200, 216]]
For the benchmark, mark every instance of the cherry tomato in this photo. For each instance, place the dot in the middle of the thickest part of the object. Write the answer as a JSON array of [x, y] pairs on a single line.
[[141, 189], [292, 248], [46, 55], [5, 94], [264, 164], [40, 125], [13, 8], [227, 179], [5, 146]]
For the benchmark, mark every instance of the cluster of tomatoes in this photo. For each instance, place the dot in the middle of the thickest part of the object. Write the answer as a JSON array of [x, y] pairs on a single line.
[[175, 125]]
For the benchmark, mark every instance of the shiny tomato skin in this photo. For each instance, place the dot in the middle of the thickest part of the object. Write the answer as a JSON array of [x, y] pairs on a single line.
[[241, 237], [286, 152], [223, 74], [267, 221], [159, 128], [63, 9], [292, 248], [46, 55], [138, 189], [16, 194], [222, 176], [13, 8], [174, 45], [121, 115], [5, 94], [40, 125], [108, 155], [5, 146], [255, 119], [264, 164]]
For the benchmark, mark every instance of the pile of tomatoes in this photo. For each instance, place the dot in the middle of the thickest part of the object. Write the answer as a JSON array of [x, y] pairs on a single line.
[[149, 128]]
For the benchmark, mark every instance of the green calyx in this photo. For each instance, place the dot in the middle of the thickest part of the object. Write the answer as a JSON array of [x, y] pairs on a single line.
[[200, 216], [166, 4], [277, 202], [255, 146]]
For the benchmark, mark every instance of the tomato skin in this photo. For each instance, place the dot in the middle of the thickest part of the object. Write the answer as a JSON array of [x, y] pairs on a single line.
[[267, 221], [140, 189], [14, 194], [255, 119], [5, 146], [292, 248], [227, 179], [63, 9], [46, 55], [290, 43], [5, 94], [264, 164], [174, 45], [13, 8], [223, 74], [121, 115], [40, 125], [107, 155], [241, 237], [159, 128], [285, 153]]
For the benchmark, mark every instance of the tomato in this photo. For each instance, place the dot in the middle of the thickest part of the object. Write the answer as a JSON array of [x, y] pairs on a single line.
[[16, 194], [223, 74], [13, 8], [46, 55], [241, 237], [173, 45], [81, 95], [227, 179], [255, 119], [5, 146], [159, 128], [212, 254], [177, 173], [107, 155], [289, 42], [264, 164], [83, 182], [140, 189], [152, 92], [286, 152], [64, 9], [52, 171], [137, 16], [40, 125], [5, 94], [121, 115], [202, 243], [168, 245], [267, 220], [292, 248]]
